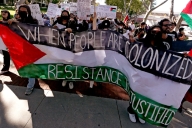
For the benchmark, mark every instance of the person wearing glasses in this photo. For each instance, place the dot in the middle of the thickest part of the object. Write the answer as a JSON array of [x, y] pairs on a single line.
[[6, 57], [166, 27], [173, 33]]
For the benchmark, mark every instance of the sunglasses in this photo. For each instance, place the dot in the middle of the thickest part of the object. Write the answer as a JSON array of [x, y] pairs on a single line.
[[167, 25], [155, 32], [4, 11]]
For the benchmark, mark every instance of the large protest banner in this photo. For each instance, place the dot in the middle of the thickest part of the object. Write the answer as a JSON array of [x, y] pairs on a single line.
[[156, 80], [83, 9]]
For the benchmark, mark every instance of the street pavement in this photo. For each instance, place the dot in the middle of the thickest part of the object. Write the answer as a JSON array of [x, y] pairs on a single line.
[[46, 108]]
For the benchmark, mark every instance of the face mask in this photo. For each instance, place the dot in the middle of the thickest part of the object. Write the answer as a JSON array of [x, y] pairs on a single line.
[[142, 35], [65, 17], [23, 14]]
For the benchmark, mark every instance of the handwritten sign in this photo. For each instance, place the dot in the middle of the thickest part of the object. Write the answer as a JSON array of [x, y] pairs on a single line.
[[36, 13], [59, 10], [84, 9], [105, 11], [65, 7], [51, 11]]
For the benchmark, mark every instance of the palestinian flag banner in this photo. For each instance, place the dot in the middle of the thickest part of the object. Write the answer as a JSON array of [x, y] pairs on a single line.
[[187, 14], [156, 80]]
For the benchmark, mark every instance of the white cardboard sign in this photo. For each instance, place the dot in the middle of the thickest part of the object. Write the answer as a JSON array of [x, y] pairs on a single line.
[[51, 11], [83, 9], [36, 13]]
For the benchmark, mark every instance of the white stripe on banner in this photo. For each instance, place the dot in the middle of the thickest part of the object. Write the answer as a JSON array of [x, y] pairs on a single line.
[[159, 89]]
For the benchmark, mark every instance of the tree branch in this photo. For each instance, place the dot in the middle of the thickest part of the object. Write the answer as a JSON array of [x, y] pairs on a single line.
[[144, 4], [159, 5]]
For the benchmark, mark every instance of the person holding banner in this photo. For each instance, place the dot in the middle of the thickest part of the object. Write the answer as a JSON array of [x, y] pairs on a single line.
[[6, 57], [64, 22], [152, 39], [26, 17]]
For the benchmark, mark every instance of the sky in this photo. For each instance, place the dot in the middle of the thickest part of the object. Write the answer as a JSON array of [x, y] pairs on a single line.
[[179, 5]]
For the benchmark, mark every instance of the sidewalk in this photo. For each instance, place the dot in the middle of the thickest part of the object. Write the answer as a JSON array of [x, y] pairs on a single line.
[[46, 108], [52, 109]]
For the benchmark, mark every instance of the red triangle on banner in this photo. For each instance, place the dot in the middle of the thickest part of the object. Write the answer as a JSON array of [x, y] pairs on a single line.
[[21, 51]]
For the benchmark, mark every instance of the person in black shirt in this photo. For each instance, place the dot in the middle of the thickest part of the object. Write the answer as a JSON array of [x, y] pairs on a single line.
[[140, 35], [181, 35], [142, 26], [173, 33], [165, 27]]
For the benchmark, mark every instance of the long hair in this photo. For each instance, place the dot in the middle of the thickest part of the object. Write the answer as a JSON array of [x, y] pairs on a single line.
[[8, 17], [149, 36], [29, 18]]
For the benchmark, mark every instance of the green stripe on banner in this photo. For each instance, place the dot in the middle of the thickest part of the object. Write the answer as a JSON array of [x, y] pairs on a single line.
[[75, 73], [187, 19], [147, 109], [152, 111]]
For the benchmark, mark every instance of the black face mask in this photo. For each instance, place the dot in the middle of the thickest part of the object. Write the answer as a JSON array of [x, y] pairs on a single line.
[[23, 14], [64, 17], [142, 35]]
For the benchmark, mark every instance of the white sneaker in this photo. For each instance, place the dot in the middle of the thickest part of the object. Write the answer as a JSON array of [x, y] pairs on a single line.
[[141, 121], [64, 83], [71, 85], [132, 117]]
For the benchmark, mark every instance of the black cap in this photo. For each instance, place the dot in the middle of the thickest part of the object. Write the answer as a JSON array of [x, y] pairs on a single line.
[[106, 24]]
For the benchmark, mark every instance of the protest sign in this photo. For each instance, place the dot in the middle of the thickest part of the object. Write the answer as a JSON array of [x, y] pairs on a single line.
[[51, 11], [106, 11], [65, 7], [83, 9], [58, 13], [36, 13], [155, 79]]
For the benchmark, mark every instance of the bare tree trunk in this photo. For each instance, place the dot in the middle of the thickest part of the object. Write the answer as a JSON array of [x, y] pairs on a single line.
[[171, 13], [178, 24], [151, 9], [130, 2]]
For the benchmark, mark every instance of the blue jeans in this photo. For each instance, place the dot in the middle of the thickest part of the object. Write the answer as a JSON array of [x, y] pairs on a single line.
[[31, 82]]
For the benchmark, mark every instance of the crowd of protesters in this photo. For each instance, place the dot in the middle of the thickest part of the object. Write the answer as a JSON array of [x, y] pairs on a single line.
[[159, 35]]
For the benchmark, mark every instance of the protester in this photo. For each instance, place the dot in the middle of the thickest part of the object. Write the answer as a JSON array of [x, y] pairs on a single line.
[[132, 26], [6, 57], [120, 29], [140, 34], [165, 27], [26, 17], [173, 33], [181, 35], [127, 27], [63, 22], [141, 27]]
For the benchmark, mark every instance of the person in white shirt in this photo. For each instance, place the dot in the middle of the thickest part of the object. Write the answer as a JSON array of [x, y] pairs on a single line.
[[132, 25]]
